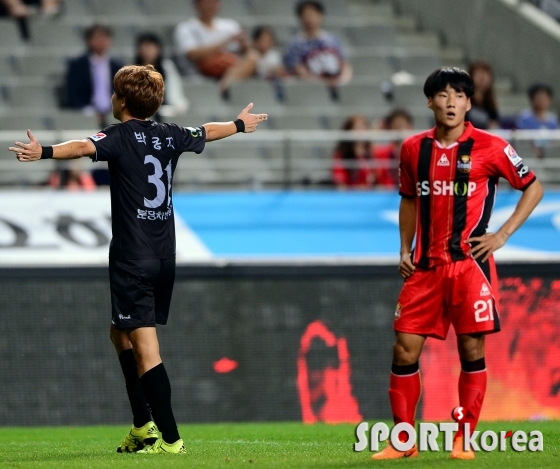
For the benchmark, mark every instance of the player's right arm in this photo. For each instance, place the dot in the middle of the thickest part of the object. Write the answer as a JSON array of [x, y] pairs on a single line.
[[33, 150], [407, 212]]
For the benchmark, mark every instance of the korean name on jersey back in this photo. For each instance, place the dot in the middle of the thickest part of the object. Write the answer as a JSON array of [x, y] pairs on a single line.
[[445, 188]]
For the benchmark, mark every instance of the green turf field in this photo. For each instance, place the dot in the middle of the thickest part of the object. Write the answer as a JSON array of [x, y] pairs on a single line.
[[277, 445]]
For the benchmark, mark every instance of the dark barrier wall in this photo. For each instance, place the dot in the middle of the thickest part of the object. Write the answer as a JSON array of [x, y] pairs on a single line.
[[242, 343]]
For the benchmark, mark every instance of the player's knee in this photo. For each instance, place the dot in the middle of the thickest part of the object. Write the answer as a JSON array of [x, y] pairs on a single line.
[[471, 347], [403, 354]]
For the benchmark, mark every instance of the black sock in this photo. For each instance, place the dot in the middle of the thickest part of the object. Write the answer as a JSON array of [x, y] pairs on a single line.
[[157, 390], [136, 397], [402, 370], [475, 365]]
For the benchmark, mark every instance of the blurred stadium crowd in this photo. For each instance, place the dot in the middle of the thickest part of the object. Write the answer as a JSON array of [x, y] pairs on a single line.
[[314, 65]]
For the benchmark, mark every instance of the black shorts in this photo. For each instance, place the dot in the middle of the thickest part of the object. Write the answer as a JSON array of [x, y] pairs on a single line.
[[140, 291]]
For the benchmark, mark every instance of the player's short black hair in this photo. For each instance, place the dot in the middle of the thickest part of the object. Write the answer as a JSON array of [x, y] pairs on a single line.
[[455, 77], [302, 5], [97, 27], [537, 88]]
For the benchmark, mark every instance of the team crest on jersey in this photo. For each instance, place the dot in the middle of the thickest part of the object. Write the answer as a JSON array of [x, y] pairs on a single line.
[[513, 156], [398, 311], [98, 136], [484, 291], [443, 161], [464, 164]]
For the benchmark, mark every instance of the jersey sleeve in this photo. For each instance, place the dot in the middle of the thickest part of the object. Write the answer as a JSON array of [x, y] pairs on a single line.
[[190, 138], [506, 163], [407, 186], [108, 144]]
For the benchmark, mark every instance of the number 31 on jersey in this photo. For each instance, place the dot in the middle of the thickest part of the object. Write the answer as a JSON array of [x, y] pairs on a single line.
[[155, 179]]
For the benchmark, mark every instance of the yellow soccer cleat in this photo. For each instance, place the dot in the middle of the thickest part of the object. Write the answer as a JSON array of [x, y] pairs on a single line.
[[161, 447], [391, 453], [139, 438], [459, 450]]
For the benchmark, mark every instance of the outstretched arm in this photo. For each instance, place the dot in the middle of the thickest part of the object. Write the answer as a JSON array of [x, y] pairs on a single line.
[[33, 150], [219, 130], [491, 242]]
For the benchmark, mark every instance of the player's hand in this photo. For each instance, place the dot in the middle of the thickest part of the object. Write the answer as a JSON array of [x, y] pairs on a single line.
[[487, 244], [28, 151], [406, 267], [251, 120]]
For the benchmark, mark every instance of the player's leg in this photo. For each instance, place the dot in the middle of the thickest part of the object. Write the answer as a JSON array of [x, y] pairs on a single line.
[[143, 431], [153, 376], [157, 388], [474, 314], [419, 314]]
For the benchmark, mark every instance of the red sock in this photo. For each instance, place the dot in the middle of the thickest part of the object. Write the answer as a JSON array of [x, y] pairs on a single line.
[[404, 392], [472, 388]]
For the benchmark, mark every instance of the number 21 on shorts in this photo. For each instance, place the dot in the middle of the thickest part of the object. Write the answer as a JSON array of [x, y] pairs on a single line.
[[484, 310]]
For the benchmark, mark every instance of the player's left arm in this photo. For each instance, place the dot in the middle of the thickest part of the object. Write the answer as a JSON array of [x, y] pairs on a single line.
[[219, 130], [491, 242], [33, 150]]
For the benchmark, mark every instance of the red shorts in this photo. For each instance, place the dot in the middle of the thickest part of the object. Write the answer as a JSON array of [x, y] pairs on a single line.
[[462, 293]]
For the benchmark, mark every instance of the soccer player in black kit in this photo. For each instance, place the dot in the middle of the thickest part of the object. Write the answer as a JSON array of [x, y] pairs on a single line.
[[142, 156]]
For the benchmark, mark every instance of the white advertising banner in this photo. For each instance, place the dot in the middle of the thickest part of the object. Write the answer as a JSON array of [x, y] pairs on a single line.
[[60, 228]]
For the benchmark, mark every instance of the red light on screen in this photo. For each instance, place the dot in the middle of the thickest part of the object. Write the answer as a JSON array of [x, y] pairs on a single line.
[[225, 365]]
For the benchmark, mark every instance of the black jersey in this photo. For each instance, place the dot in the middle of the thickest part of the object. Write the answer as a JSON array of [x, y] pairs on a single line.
[[142, 157]]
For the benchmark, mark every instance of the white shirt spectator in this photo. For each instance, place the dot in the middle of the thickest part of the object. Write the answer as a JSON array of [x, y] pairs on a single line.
[[268, 63], [193, 34]]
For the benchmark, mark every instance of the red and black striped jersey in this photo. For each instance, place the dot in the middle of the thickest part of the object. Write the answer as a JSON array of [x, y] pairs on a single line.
[[455, 188]]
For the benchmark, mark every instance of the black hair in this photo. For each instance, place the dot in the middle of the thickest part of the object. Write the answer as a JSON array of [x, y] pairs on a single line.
[[89, 32], [154, 39], [261, 29], [537, 88], [455, 77], [318, 6]]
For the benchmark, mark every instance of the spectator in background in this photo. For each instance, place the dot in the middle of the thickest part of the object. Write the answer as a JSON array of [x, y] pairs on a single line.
[[72, 179], [316, 54], [22, 9], [539, 115], [149, 52], [89, 78], [386, 156], [212, 44], [352, 159], [263, 60], [484, 110]]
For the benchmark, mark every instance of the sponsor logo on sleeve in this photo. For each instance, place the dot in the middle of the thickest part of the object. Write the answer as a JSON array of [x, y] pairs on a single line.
[[513, 156], [98, 136]]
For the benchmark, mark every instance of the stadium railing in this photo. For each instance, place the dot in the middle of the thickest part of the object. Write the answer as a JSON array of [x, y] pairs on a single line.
[[277, 158]]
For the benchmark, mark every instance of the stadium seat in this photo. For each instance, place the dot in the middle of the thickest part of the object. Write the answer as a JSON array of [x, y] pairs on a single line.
[[9, 33], [374, 67], [372, 36], [39, 65], [23, 122], [408, 96], [419, 65], [45, 35], [297, 122], [306, 94], [203, 95], [363, 96], [32, 96], [112, 8], [180, 10], [75, 120], [260, 92], [237, 9], [78, 8]]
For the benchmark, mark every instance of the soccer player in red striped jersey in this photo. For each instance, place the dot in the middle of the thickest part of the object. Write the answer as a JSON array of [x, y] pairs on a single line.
[[448, 182]]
